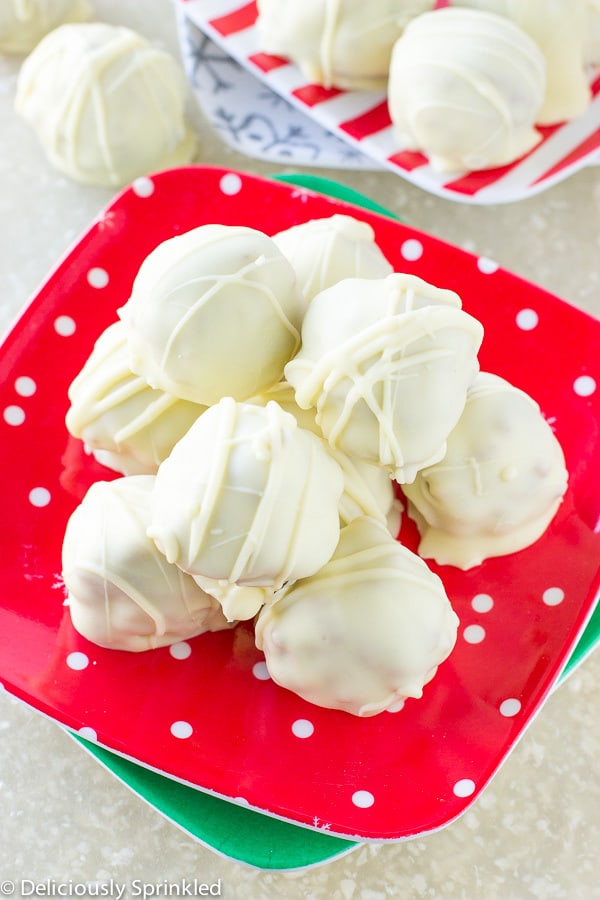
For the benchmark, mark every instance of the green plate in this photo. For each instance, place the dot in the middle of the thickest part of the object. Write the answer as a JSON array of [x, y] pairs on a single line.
[[235, 831]]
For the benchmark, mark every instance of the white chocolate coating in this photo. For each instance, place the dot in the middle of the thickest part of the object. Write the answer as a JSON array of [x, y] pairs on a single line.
[[499, 485], [106, 106], [558, 27], [466, 87], [122, 593], [368, 490], [23, 23], [366, 631], [128, 425], [591, 44], [337, 43], [324, 251], [214, 312], [386, 364], [247, 498]]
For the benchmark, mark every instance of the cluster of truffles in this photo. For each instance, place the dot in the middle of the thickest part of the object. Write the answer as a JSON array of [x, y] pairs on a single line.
[[105, 104], [467, 84], [264, 398]]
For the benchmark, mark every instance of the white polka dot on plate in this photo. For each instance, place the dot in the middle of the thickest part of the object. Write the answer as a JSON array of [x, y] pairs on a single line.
[[143, 187], [474, 634], [182, 730], [65, 326], [464, 788], [180, 650], [510, 707], [14, 415], [527, 319], [88, 733], [303, 728], [230, 184], [363, 799], [552, 596], [25, 386], [584, 386], [39, 496], [411, 249], [78, 660], [97, 278], [482, 603], [260, 671], [486, 265]]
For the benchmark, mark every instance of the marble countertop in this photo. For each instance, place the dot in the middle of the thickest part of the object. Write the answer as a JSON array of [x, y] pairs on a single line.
[[535, 830]]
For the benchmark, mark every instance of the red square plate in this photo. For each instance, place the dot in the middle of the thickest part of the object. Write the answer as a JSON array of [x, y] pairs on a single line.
[[204, 712]]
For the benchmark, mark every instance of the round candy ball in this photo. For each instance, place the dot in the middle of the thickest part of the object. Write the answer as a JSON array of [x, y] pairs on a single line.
[[105, 104], [129, 426], [367, 630], [247, 498], [386, 364], [214, 312], [466, 88], [499, 483], [122, 593]]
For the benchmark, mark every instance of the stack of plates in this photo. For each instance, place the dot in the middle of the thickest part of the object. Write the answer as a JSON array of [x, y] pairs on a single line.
[[525, 618]]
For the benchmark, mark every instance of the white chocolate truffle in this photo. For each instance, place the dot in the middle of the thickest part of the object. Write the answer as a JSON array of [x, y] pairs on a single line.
[[386, 364], [106, 106], [324, 251], [499, 485], [591, 44], [558, 27], [337, 44], [214, 312], [23, 23], [122, 593], [368, 489], [366, 631], [129, 426], [247, 498], [466, 88]]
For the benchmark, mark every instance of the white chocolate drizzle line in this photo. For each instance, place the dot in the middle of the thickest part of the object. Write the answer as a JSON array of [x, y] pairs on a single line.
[[272, 438], [87, 407], [388, 339]]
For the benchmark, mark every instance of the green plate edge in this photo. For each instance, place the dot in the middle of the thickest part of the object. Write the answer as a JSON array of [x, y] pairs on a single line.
[[242, 834], [584, 646], [334, 189], [235, 831]]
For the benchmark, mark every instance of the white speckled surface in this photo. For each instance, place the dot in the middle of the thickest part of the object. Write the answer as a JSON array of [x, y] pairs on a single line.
[[535, 831]]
